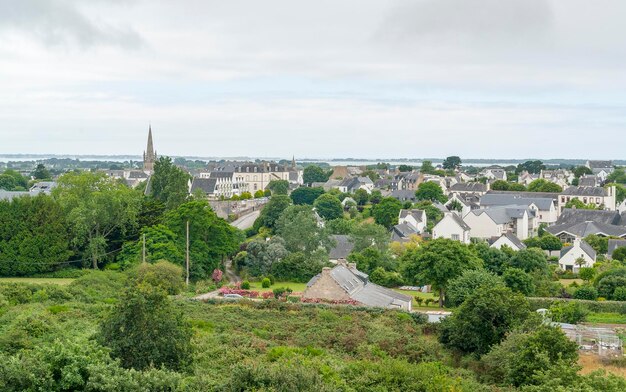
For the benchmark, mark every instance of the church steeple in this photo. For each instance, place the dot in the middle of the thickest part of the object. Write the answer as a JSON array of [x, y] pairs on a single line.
[[293, 162], [149, 156]]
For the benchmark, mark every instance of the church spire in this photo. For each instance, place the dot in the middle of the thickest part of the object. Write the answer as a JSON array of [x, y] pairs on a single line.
[[293, 161], [149, 156]]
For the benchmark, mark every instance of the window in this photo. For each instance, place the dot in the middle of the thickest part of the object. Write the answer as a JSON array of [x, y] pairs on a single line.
[[456, 237]]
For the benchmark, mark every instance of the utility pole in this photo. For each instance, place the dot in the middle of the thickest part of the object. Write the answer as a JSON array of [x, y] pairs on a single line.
[[187, 258], [144, 248]]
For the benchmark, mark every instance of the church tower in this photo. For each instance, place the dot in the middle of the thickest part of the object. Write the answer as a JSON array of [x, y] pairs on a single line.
[[149, 156]]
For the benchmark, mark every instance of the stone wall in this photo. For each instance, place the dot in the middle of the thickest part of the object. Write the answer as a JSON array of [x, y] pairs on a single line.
[[326, 288]]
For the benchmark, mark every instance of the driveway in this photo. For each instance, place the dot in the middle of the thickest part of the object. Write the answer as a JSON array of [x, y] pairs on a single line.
[[246, 221]]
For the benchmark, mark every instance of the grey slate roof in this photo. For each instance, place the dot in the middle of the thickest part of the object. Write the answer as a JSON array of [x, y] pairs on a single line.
[[572, 216], [584, 191], [404, 195], [496, 199], [207, 185], [468, 187], [584, 229], [591, 181], [10, 195], [600, 164], [401, 231], [459, 221], [516, 241], [614, 244], [503, 214], [553, 195], [417, 214], [343, 247], [585, 248]]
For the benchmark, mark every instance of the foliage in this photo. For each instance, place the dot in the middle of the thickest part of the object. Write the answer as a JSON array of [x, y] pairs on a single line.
[[95, 207], [299, 267], [161, 244], [568, 312], [430, 191], [533, 167], [617, 176], [364, 235], [619, 254], [278, 187], [529, 260], [580, 171], [386, 212], [545, 242], [162, 274], [41, 172], [427, 167], [586, 273], [519, 281], [599, 243], [433, 214], [495, 260], [33, 236], [405, 168], [467, 283], [361, 197], [586, 292], [272, 211], [371, 258], [483, 320], [298, 226], [500, 185], [305, 195], [576, 203], [245, 285], [451, 163], [169, 183], [261, 255], [145, 330], [265, 283], [438, 262], [542, 185], [386, 278], [314, 173], [328, 207]]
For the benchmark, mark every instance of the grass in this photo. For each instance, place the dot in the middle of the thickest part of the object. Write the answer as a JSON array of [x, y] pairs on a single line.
[[296, 287], [591, 363], [606, 318], [59, 281], [414, 294], [567, 282]]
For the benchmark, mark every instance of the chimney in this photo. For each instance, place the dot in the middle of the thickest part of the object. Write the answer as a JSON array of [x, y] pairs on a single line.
[[352, 266], [326, 271], [342, 262]]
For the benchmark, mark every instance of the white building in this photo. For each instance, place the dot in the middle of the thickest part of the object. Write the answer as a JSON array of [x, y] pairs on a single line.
[[598, 196], [510, 240], [493, 222], [579, 255], [452, 227]]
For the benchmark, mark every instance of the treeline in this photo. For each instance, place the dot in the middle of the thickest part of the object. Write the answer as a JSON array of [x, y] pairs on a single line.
[[92, 220]]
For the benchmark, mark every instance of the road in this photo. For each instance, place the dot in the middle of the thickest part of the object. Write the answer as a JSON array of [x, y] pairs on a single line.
[[246, 221]]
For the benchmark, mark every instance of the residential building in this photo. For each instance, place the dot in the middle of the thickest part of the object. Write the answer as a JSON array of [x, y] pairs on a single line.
[[561, 177], [457, 200], [579, 254], [416, 219], [572, 216], [343, 247], [475, 188], [590, 181], [494, 173], [345, 283], [613, 245], [568, 233], [544, 207], [402, 232], [352, 184], [508, 239], [600, 197], [404, 195], [525, 178], [495, 221], [453, 227], [601, 169]]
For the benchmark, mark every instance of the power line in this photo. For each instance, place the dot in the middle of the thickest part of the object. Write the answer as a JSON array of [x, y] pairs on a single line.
[[58, 262]]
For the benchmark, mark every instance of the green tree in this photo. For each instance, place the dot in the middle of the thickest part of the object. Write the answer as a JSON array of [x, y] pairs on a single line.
[[452, 163], [430, 191], [438, 262], [575, 203], [305, 195], [500, 185], [314, 173], [7, 182], [259, 194], [169, 184], [580, 171], [262, 255], [518, 281], [41, 173], [386, 212], [298, 227], [211, 239], [298, 266], [618, 175], [278, 187], [272, 211], [619, 254], [586, 292], [541, 185], [533, 167], [550, 242], [371, 258], [599, 243], [465, 285], [620, 191], [495, 260], [145, 330], [19, 181], [529, 260], [427, 167], [365, 234], [328, 207], [361, 197], [95, 207], [161, 244], [163, 274], [405, 168], [483, 320]]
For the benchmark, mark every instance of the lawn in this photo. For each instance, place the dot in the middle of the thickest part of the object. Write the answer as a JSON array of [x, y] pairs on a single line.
[[414, 294], [60, 281], [606, 318], [296, 287], [567, 282]]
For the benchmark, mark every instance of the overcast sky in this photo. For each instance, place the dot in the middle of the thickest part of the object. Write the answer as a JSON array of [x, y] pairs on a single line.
[[361, 78]]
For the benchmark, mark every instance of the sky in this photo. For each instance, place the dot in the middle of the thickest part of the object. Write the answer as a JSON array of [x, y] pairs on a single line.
[[315, 79]]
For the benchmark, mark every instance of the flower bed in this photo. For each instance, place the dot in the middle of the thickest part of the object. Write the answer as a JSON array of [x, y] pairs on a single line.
[[332, 302], [243, 293]]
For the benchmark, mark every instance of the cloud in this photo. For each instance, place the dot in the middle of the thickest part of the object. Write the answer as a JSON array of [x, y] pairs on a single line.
[[61, 22]]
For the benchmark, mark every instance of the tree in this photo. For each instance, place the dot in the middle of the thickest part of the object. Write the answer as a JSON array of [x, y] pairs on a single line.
[[586, 273], [452, 163], [95, 206], [361, 197], [314, 173], [245, 196], [599, 243], [298, 227], [550, 242], [533, 167], [328, 207], [376, 196], [272, 210], [586, 292], [433, 214], [305, 195], [259, 194], [514, 186], [278, 187], [405, 168], [465, 285], [619, 254], [161, 244], [576, 203], [11, 180], [366, 234], [427, 167], [529, 260], [386, 212], [483, 320], [7, 182], [145, 330], [518, 281], [500, 185], [495, 260], [33, 236], [541, 185], [41, 173], [211, 239], [525, 353], [169, 184], [262, 255], [430, 191], [620, 191], [438, 262], [163, 274], [298, 266], [580, 171], [618, 175], [370, 258]]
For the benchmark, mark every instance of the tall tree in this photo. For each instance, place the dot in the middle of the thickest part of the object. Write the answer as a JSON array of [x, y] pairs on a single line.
[[95, 207], [169, 184], [452, 163], [298, 227], [427, 167], [430, 191], [278, 187], [386, 212], [438, 262], [366, 234], [532, 167], [542, 185], [272, 211], [314, 173], [41, 173], [305, 195], [328, 206]]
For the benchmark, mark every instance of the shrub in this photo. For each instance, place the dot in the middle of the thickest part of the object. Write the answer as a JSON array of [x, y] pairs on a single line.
[[586, 292], [570, 312], [266, 283], [279, 292], [205, 286], [98, 286], [163, 274], [619, 294], [466, 284], [245, 285]]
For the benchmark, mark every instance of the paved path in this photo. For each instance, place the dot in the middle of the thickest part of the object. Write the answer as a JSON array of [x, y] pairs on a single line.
[[232, 279], [246, 221]]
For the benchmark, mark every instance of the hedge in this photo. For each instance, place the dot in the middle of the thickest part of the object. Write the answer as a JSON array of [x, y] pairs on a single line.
[[593, 306]]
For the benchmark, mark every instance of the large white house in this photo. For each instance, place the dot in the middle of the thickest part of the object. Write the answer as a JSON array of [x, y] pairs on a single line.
[[452, 227], [579, 255], [416, 219], [544, 207], [493, 222], [510, 240], [598, 196]]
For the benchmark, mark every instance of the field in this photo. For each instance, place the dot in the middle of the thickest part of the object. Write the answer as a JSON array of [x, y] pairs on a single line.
[[606, 318], [59, 281], [591, 363]]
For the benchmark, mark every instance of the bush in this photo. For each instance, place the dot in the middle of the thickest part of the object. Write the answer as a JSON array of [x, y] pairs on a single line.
[[266, 283], [598, 306], [163, 274], [281, 291], [619, 294], [245, 285], [586, 292], [466, 284], [99, 286], [571, 312]]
